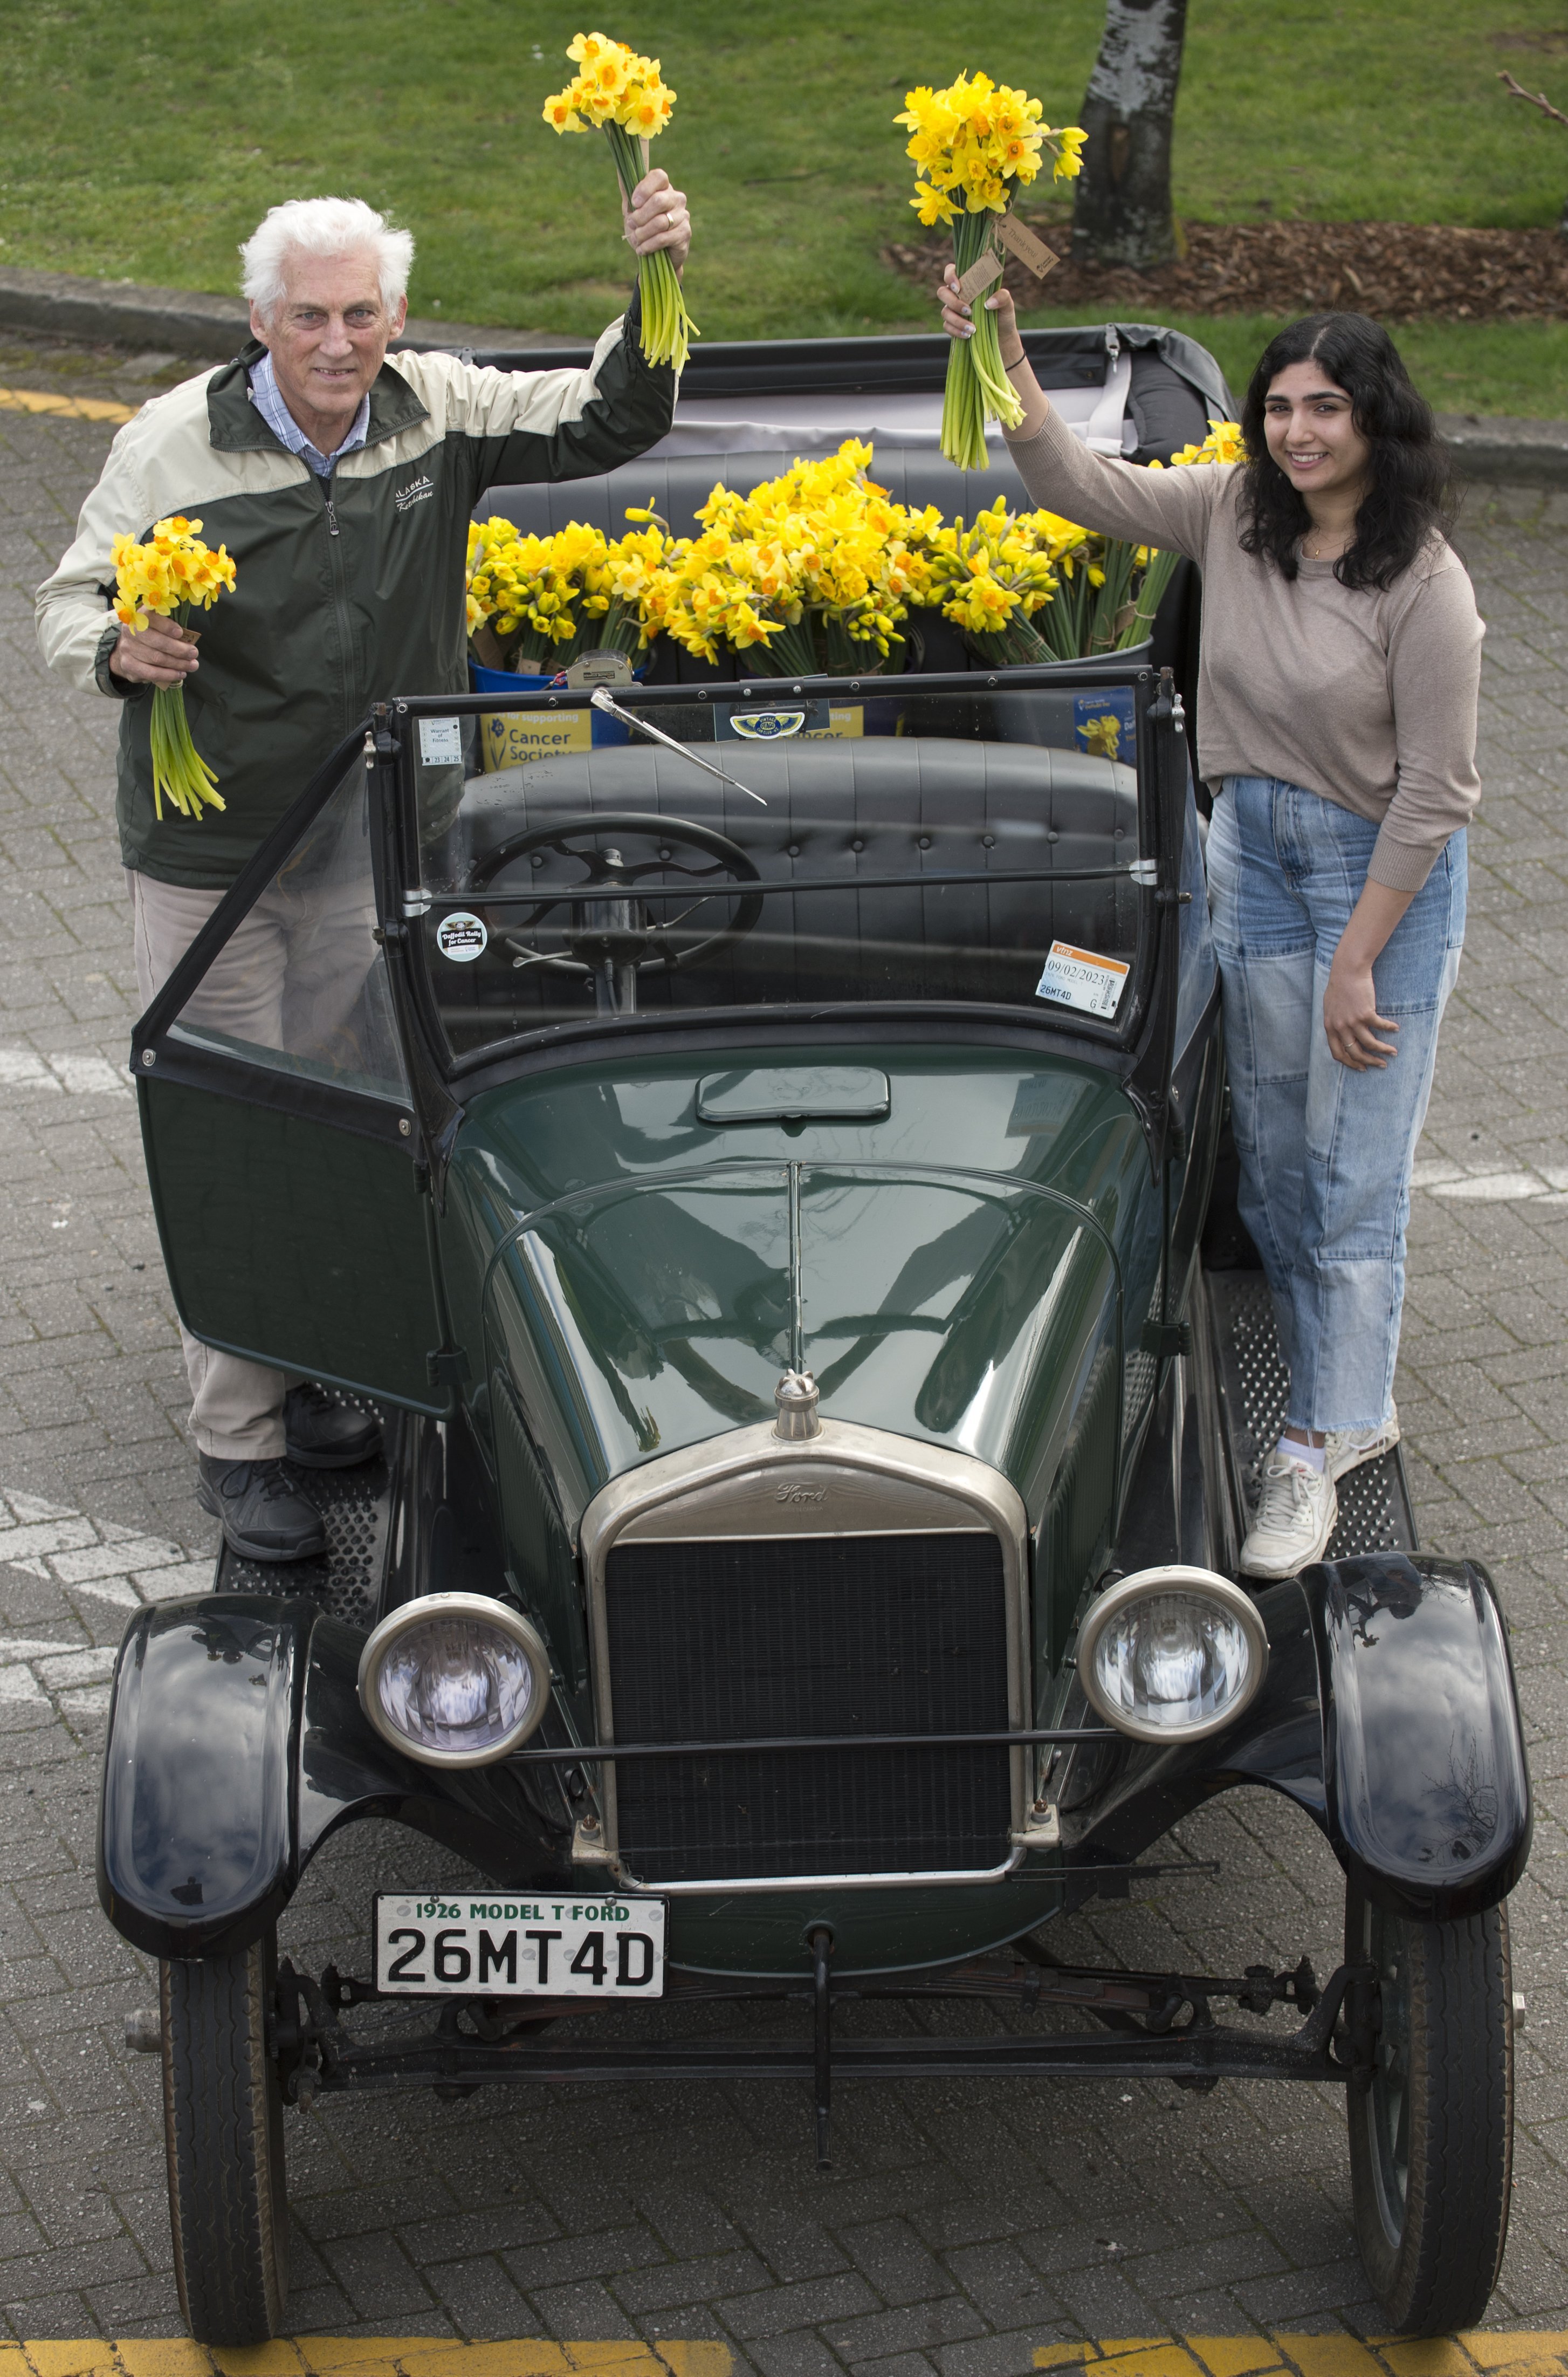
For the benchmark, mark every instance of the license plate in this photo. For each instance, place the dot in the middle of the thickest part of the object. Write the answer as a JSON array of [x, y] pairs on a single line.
[[520, 1944]]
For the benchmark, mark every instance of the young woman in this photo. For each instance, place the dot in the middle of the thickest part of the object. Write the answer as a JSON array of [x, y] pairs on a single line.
[[1336, 730]]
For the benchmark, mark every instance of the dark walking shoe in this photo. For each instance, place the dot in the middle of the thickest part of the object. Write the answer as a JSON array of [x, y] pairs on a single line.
[[321, 1433], [264, 1517]]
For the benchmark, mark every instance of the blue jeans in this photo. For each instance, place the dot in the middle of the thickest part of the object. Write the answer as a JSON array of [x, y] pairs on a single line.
[[1326, 1153]]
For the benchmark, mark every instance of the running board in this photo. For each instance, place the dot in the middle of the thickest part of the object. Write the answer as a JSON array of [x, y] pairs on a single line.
[[1375, 1514]]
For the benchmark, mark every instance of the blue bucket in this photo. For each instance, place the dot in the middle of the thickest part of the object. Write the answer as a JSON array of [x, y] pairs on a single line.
[[508, 738]]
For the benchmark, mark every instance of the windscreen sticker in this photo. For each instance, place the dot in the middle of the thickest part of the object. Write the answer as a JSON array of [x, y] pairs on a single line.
[[1082, 978], [810, 720], [462, 937], [1105, 722], [441, 742], [767, 725]]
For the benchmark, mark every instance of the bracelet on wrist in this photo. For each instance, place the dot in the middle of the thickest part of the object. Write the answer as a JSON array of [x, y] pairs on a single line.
[[1011, 363]]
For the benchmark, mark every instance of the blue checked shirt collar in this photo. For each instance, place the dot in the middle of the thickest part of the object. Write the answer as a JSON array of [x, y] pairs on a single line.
[[267, 398]]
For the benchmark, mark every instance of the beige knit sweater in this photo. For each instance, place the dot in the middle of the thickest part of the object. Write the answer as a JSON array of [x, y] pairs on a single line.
[[1368, 699]]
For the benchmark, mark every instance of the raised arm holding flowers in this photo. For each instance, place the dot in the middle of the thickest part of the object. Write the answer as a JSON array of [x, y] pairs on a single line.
[[974, 145], [624, 95]]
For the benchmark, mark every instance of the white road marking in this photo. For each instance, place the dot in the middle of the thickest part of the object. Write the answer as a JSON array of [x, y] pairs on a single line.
[[60, 1071], [80, 1555], [1479, 1187]]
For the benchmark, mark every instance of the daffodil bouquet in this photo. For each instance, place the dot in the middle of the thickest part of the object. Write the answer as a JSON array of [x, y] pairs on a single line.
[[535, 602], [994, 579], [811, 571], [622, 95], [168, 578], [974, 145]]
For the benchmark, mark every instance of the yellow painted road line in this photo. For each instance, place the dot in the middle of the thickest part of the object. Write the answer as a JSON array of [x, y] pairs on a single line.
[[361, 2356], [1476, 2353], [69, 407]]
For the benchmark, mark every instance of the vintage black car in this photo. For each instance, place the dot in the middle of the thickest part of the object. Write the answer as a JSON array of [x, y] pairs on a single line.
[[770, 1175]]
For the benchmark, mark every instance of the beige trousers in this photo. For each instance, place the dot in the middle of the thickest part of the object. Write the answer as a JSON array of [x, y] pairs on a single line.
[[237, 1406]]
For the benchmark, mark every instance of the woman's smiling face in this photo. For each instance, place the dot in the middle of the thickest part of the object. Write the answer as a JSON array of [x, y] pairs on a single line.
[[1311, 432]]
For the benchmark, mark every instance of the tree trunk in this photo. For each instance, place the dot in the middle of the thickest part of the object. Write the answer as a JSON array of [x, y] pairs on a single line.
[[1121, 210]]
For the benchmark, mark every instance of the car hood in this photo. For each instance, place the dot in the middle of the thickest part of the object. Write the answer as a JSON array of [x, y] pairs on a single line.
[[952, 1273]]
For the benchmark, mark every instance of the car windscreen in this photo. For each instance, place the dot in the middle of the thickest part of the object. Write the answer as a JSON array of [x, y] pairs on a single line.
[[975, 845]]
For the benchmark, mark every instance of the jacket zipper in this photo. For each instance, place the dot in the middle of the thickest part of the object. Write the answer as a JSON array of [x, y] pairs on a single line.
[[339, 602]]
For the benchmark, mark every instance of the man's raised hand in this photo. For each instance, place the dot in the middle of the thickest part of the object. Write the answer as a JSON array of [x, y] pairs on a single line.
[[657, 217]]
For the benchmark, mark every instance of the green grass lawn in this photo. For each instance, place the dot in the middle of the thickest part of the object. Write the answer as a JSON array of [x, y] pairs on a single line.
[[143, 143]]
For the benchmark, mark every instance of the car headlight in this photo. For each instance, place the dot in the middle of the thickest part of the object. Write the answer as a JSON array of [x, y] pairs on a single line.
[[1172, 1653], [455, 1680]]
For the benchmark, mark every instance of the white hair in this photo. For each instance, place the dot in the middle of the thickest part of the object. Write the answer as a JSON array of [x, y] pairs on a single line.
[[323, 227]]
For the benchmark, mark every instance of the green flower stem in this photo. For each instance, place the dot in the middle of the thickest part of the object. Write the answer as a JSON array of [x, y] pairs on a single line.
[[978, 389], [1157, 577], [668, 329], [178, 768]]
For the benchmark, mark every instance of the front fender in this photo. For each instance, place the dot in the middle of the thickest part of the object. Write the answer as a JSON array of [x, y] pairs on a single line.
[[236, 1746], [1427, 1790], [1388, 1715], [196, 1837]]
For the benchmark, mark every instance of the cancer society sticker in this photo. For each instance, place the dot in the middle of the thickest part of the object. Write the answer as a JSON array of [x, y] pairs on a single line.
[[462, 937], [1082, 978]]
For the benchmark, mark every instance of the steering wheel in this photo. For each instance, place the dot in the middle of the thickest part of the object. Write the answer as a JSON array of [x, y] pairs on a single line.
[[615, 931]]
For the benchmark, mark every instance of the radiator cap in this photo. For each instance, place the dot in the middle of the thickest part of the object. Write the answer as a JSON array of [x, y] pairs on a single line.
[[796, 1396]]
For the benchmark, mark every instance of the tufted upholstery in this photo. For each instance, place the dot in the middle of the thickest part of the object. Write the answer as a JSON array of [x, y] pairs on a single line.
[[876, 806]]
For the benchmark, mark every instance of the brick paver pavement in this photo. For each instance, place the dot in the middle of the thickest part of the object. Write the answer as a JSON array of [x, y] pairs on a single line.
[[962, 2227]]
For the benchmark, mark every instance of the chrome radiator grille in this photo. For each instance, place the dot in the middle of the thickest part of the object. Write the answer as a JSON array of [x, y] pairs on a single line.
[[725, 1639]]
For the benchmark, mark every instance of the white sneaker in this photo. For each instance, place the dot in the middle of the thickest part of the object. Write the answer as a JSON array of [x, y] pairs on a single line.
[[1296, 1512], [1347, 1448]]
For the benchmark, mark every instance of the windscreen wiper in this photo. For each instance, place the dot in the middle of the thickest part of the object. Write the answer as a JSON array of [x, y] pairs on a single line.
[[602, 701]]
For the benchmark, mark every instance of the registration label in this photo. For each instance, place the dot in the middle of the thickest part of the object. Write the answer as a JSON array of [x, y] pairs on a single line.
[[462, 1943]]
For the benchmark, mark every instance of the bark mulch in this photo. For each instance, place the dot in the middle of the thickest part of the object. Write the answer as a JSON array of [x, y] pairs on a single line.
[[1401, 271]]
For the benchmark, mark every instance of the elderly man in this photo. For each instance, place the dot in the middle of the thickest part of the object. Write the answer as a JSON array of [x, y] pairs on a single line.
[[343, 487]]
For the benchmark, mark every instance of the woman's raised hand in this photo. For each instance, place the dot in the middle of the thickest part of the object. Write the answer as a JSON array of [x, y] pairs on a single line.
[[957, 317]]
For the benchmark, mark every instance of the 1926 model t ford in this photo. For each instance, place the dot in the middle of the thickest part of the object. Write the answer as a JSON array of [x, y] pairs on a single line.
[[760, 1173]]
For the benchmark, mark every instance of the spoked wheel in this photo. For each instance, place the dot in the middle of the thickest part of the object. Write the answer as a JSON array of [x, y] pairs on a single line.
[[1431, 2137], [223, 2127]]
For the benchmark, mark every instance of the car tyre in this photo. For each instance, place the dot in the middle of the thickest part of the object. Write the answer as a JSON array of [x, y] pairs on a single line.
[[1432, 2136], [223, 2128]]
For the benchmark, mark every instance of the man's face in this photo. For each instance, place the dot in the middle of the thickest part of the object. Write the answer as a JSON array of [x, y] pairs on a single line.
[[328, 337]]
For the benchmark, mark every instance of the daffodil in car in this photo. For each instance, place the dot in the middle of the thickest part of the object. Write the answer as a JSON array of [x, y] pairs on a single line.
[[973, 146], [167, 577], [624, 95]]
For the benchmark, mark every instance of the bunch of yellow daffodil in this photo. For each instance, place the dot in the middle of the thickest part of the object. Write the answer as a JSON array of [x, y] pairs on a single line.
[[990, 580], [1031, 586], [973, 145], [813, 570], [168, 576], [621, 94], [545, 599]]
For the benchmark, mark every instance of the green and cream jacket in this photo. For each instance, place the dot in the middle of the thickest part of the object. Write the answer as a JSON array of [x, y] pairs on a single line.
[[348, 590]]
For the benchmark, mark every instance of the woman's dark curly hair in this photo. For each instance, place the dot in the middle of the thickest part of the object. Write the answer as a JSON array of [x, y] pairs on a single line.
[[1408, 498]]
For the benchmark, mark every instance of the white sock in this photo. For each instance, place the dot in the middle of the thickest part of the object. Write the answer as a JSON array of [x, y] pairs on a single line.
[[1312, 1456]]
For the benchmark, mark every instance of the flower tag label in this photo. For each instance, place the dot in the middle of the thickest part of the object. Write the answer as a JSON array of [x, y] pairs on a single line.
[[979, 276], [1082, 978], [1029, 251], [441, 742]]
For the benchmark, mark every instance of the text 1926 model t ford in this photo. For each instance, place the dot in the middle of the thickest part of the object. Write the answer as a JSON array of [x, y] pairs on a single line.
[[760, 1171]]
